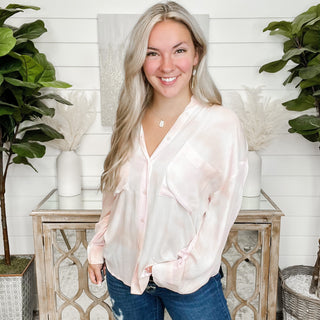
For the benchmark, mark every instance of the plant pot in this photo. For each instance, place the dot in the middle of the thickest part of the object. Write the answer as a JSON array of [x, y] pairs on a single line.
[[68, 173], [252, 185], [17, 298], [295, 305]]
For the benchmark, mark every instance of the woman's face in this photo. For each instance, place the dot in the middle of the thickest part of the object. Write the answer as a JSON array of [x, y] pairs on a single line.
[[170, 59]]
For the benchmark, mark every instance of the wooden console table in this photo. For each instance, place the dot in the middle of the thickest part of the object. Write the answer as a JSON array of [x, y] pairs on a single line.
[[63, 226]]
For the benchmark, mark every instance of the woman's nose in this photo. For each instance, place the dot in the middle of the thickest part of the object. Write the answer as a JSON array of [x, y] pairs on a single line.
[[167, 64]]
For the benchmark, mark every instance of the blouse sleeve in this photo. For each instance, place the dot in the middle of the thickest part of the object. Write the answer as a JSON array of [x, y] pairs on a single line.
[[96, 245], [205, 256]]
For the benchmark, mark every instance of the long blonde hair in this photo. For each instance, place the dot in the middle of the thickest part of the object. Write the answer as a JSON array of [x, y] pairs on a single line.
[[136, 93]]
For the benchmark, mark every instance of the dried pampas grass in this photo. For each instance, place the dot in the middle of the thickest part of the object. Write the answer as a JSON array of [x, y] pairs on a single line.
[[261, 117], [71, 121]]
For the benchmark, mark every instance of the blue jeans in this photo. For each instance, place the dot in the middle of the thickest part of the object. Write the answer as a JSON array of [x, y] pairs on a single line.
[[207, 303]]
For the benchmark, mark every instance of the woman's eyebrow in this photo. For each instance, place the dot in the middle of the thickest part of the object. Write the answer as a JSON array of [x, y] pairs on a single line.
[[151, 48], [175, 46], [178, 45]]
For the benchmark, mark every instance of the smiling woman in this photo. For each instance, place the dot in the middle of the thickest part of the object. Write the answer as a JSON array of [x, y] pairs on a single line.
[[113, 31], [158, 240]]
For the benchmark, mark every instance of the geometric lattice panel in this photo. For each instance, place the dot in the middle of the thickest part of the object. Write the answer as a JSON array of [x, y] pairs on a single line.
[[245, 270], [75, 297]]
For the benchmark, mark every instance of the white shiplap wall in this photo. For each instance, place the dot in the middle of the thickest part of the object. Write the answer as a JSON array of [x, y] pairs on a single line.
[[238, 47]]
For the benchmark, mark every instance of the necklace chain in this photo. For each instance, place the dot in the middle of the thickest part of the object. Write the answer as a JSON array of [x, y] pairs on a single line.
[[160, 121]]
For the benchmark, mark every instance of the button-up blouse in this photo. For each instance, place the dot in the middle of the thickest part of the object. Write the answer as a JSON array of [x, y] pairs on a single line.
[[173, 210]]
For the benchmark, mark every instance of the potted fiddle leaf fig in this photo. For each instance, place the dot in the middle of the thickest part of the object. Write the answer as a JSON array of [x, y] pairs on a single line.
[[301, 48], [25, 75]]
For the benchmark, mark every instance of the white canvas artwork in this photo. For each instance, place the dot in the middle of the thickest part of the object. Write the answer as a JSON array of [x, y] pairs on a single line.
[[113, 31]]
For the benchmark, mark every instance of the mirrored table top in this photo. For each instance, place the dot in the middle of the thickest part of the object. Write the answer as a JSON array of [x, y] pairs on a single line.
[[91, 200]]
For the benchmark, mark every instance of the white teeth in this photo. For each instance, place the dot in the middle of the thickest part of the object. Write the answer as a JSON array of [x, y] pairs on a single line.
[[168, 79]]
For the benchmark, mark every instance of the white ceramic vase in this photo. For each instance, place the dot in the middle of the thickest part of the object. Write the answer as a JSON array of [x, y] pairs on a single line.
[[68, 173], [252, 185]]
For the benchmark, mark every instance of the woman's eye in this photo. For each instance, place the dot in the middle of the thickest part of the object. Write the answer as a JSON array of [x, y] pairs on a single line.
[[181, 50], [151, 54]]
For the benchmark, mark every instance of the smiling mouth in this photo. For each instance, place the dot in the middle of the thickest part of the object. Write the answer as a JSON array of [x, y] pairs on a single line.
[[168, 79]]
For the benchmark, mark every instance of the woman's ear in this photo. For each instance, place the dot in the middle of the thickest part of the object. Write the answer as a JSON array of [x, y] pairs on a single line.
[[196, 58]]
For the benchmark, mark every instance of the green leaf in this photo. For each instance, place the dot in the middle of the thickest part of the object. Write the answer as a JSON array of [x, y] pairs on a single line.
[[1, 78], [18, 93], [20, 6], [31, 30], [48, 77], [300, 104], [55, 84], [8, 65], [279, 27], [48, 73], [41, 108], [311, 39], [7, 41], [306, 125], [296, 52], [8, 124], [316, 93], [56, 97], [313, 137], [305, 122], [273, 67], [30, 69], [23, 160], [312, 22], [6, 110], [309, 72], [302, 19], [19, 83], [310, 83], [315, 61], [35, 135], [41, 132], [26, 48], [29, 149], [7, 13], [289, 44]]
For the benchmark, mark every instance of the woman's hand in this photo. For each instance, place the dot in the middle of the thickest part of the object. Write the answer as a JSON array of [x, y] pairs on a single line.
[[94, 271]]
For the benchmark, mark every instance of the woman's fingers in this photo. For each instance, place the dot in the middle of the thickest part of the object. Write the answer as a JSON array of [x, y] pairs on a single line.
[[94, 271]]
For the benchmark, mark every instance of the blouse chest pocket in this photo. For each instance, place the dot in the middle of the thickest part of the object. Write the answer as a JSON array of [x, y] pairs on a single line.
[[190, 179]]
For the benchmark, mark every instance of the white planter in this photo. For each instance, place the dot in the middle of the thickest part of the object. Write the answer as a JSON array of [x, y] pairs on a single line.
[[252, 185], [70, 203], [68, 173]]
